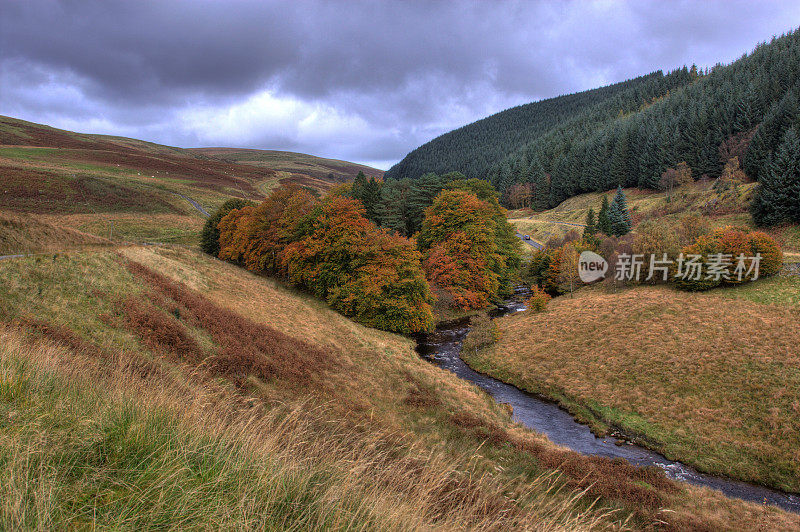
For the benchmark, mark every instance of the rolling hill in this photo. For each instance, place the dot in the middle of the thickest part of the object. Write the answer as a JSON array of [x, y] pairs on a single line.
[[129, 189], [300, 167]]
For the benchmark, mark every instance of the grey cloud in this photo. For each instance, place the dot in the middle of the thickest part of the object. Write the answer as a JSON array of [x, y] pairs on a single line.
[[409, 70]]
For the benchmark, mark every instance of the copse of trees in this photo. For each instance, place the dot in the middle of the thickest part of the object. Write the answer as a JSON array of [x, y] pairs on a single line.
[[330, 248]]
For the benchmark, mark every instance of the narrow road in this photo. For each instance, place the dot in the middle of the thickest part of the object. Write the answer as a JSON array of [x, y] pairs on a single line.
[[17, 256], [532, 243], [194, 204], [572, 224]]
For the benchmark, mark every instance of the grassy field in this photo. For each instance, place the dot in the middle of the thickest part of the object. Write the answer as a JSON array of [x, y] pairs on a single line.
[[709, 379], [244, 404]]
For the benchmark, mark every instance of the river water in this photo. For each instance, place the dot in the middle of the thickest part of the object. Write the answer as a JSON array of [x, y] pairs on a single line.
[[443, 346]]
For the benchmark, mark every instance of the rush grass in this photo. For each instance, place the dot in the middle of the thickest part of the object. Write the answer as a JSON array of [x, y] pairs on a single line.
[[709, 380]]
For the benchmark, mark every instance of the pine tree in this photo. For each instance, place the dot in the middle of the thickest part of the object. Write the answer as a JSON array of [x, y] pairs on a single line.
[[371, 198], [590, 231], [591, 224], [359, 184], [391, 210], [777, 197], [618, 216], [603, 223]]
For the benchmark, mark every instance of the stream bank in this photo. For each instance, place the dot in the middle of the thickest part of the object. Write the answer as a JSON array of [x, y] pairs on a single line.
[[443, 348]]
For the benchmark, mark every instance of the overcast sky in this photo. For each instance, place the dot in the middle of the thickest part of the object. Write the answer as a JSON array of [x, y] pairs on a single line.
[[361, 81]]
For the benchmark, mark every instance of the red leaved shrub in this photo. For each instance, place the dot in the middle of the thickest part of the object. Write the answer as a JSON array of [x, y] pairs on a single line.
[[158, 330], [245, 348]]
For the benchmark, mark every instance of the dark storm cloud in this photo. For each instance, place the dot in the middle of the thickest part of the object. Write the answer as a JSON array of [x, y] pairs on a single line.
[[357, 80]]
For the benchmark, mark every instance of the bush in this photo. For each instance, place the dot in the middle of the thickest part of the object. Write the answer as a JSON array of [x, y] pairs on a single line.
[[733, 242], [656, 237], [692, 227], [771, 254], [538, 300]]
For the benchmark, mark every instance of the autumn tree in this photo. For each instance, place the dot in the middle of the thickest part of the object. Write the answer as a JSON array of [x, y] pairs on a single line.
[[520, 195], [359, 269], [673, 178], [505, 234], [461, 254], [255, 237], [331, 249]]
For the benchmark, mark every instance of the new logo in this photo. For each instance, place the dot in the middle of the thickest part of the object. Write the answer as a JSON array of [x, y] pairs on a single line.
[[591, 267]]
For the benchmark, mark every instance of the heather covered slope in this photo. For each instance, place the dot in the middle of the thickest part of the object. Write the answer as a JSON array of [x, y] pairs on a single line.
[[127, 189], [180, 375], [295, 167]]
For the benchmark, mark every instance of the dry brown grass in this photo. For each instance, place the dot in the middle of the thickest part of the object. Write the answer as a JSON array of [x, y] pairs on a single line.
[[500, 475], [313, 474], [705, 379], [25, 233]]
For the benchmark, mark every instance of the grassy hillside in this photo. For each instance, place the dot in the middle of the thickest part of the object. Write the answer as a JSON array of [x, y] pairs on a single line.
[[157, 385], [23, 233], [126, 189], [645, 205], [704, 378], [309, 170]]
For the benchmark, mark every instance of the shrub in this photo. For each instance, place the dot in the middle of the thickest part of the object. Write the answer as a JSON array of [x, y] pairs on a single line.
[[656, 237], [733, 242], [771, 254], [538, 300], [692, 227], [705, 246]]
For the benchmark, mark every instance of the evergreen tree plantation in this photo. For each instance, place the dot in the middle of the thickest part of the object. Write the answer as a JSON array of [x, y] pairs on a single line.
[[629, 134]]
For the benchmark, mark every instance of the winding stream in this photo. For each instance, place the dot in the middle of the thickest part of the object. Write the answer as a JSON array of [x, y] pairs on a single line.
[[443, 346]]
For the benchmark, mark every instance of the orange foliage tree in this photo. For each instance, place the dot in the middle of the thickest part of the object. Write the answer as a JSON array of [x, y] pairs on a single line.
[[255, 236], [459, 244]]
